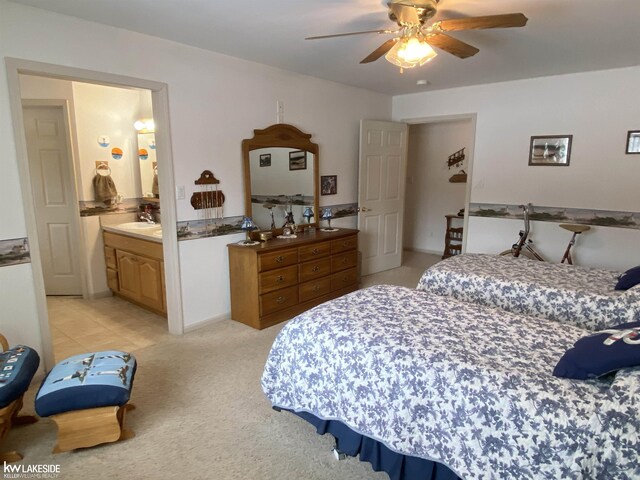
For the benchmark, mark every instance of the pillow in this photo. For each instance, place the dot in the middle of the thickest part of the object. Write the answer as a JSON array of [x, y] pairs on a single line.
[[601, 352], [629, 279]]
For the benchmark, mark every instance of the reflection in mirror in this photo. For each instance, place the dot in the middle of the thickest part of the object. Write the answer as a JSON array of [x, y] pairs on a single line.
[[148, 164], [281, 177], [281, 182]]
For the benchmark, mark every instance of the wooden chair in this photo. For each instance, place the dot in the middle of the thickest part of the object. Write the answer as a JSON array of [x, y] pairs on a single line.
[[9, 416]]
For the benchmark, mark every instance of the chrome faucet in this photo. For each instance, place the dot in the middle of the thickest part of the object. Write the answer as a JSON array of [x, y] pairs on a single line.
[[146, 216]]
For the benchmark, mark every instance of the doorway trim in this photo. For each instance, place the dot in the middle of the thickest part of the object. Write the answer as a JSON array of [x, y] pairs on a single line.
[[470, 156], [160, 101]]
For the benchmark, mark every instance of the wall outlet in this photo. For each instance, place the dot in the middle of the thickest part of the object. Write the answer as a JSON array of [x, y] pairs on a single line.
[[180, 192]]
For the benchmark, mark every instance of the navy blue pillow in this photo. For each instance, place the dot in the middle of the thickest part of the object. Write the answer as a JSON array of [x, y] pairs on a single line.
[[629, 279], [602, 352]]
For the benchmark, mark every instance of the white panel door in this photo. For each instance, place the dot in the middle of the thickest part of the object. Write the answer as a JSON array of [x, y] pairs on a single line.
[[52, 184], [383, 165]]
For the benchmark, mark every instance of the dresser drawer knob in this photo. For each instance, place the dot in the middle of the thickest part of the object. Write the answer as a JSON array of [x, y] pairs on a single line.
[[346, 244], [315, 269], [281, 300], [345, 260], [316, 288], [280, 278], [279, 259], [315, 251]]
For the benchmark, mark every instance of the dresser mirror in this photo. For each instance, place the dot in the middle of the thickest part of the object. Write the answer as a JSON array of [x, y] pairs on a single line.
[[280, 176]]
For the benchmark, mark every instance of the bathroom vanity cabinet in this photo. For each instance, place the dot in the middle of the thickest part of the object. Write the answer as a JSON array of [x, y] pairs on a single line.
[[135, 270]]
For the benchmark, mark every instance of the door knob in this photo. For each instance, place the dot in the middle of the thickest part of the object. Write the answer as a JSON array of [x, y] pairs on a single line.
[[364, 209]]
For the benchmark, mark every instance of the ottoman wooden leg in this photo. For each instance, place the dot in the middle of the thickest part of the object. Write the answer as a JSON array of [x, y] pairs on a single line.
[[90, 427]]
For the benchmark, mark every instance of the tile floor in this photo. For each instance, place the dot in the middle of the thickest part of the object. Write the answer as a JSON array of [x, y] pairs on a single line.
[[79, 326]]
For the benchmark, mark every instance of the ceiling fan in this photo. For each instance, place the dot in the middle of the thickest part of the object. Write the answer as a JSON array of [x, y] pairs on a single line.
[[412, 45]]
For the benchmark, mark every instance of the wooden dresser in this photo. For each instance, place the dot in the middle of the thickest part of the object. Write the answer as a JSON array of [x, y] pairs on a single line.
[[277, 279]]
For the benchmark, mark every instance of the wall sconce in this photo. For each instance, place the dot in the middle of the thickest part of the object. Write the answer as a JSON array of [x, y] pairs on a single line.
[[144, 125]]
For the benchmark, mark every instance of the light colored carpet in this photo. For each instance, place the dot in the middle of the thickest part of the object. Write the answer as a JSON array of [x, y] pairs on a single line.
[[201, 415]]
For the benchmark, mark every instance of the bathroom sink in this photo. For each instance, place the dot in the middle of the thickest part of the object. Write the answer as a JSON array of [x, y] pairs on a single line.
[[138, 226]]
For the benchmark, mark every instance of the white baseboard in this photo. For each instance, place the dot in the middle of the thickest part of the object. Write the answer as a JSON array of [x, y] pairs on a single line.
[[208, 321]]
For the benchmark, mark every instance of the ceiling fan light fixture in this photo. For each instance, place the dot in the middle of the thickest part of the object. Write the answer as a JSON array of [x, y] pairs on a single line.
[[410, 52]]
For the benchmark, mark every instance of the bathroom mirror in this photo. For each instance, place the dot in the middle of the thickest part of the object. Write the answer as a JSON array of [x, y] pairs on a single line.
[[281, 175], [148, 165]]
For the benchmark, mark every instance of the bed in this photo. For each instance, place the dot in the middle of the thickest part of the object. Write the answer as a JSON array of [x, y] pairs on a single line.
[[463, 385], [581, 296]]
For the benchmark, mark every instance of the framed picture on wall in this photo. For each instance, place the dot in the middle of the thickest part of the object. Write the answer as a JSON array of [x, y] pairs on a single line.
[[328, 184], [633, 141], [550, 150], [265, 160], [298, 160]]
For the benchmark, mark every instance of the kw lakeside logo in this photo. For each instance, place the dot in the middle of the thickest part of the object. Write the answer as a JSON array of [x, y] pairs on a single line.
[[11, 470]]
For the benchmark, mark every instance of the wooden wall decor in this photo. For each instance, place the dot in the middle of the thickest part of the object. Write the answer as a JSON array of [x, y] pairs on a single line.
[[460, 177], [209, 197], [456, 158]]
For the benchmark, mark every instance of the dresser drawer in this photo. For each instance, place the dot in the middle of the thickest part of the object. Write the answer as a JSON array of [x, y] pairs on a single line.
[[283, 258], [343, 261], [317, 269], [344, 279], [278, 300], [110, 258], [280, 278], [344, 244], [322, 249], [315, 288]]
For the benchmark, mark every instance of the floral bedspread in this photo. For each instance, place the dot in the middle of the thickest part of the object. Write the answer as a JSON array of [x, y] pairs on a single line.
[[462, 384], [581, 296]]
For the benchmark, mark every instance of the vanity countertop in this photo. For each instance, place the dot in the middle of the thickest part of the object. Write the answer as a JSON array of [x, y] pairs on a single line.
[[149, 232]]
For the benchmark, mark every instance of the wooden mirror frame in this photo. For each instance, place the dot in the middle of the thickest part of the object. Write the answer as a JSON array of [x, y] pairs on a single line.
[[286, 136]]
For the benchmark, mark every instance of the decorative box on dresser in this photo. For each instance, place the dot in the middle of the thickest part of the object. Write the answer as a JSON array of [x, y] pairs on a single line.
[[278, 279]]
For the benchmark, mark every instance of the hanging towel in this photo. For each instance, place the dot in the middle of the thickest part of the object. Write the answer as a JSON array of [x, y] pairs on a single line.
[[105, 189], [154, 188]]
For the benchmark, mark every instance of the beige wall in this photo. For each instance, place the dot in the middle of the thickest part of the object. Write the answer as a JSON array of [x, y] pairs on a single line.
[[214, 101]]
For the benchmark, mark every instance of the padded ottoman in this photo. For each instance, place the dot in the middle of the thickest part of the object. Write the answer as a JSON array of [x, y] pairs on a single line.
[[87, 397], [18, 365]]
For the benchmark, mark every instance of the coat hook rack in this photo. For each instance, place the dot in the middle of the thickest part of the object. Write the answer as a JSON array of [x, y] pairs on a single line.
[[456, 158], [208, 200]]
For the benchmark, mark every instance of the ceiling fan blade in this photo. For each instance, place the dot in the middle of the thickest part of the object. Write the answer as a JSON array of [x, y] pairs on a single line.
[[490, 21], [380, 51], [351, 33], [405, 14], [452, 45]]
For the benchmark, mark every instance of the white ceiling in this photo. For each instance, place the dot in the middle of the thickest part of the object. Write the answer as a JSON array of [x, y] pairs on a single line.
[[562, 36]]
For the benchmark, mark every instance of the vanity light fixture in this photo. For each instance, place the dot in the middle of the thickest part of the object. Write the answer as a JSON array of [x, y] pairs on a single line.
[[144, 125]]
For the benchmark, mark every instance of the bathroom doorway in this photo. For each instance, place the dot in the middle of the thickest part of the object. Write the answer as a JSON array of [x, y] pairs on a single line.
[[80, 135], [87, 230]]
